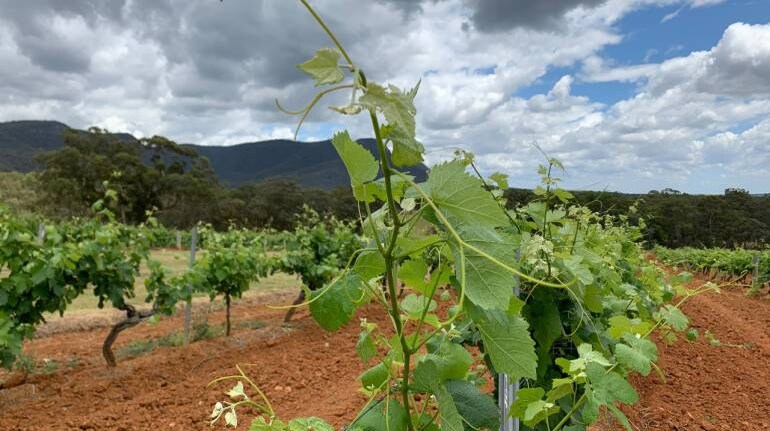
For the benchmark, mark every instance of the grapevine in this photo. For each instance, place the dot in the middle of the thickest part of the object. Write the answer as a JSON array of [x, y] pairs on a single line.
[[580, 327]]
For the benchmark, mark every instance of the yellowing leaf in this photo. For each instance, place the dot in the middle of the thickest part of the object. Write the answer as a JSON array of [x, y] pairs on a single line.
[[324, 67]]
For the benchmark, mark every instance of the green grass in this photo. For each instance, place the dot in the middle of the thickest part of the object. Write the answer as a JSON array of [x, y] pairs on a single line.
[[176, 261]]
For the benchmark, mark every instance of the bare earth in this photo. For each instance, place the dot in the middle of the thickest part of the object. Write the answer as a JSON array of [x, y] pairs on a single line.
[[308, 372]]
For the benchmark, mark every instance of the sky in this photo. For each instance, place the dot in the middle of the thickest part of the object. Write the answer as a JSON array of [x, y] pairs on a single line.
[[631, 95]]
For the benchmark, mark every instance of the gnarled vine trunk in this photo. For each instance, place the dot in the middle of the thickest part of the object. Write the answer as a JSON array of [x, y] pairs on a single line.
[[133, 318], [300, 299]]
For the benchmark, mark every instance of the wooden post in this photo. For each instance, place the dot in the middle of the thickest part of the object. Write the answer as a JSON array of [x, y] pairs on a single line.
[[755, 272], [188, 306], [178, 240]]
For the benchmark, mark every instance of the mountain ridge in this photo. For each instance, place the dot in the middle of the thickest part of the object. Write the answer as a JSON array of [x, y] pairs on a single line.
[[311, 164]]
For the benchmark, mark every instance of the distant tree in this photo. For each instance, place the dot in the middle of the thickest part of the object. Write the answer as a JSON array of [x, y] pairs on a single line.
[[738, 190], [669, 191], [149, 174], [19, 192]]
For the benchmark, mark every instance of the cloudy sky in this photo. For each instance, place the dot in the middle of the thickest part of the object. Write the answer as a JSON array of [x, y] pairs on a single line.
[[631, 95]]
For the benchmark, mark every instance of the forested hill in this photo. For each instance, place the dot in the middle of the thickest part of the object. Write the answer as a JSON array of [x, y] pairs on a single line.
[[311, 164]]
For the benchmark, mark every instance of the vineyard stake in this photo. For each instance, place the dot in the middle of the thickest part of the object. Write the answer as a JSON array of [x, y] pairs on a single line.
[[41, 233], [508, 389], [188, 305]]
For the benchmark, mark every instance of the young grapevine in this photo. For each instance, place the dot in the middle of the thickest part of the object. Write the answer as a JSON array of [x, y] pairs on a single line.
[[578, 329]]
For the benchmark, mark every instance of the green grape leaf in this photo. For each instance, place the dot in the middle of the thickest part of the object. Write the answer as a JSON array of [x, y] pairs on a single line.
[[324, 67], [398, 187], [413, 305], [413, 273], [622, 325], [452, 360], [425, 375], [609, 387], [259, 424], [369, 264], [447, 410], [525, 397], [500, 179], [530, 406], [407, 246], [478, 410], [592, 298], [563, 195], [382, 416], [309, 424], [621, 417], [674, 317], [538, 411], [375, 377], [506, 340], [397, 107], [486, 283], [407, 151], [365, 346], [543, 313], [559, 391], [446, 361], [360, 163], [575, 266], [462, 198], [638, 354], [334, 306], [515, 306], [588, 355], [591, 407]]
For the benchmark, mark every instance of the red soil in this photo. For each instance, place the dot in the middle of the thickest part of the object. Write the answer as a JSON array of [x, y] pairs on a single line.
[[308, 372], [707, 387]]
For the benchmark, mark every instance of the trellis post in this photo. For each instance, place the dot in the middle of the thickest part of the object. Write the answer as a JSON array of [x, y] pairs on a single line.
[[188, 306], [508, 387]]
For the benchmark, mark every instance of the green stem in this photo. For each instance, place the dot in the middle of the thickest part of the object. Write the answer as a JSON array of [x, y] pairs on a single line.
[[425, 310], [328, 31], [390, 263], [546, 227], [571, 412]]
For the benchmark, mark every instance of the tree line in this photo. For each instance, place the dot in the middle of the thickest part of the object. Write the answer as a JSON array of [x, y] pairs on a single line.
[[674, 219], [179, 187]]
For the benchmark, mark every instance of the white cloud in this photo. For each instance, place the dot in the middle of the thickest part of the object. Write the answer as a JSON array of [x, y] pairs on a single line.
[[209, 72], [596, 69]]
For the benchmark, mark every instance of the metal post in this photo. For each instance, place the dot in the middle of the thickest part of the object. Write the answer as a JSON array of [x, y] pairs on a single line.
[[188, 306], [41, 233], [508, 388]]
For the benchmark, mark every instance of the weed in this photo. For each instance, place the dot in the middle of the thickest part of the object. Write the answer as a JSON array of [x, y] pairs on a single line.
[[254, 324], [72, 363], [26, 363], [50, 366], [137, 348]]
